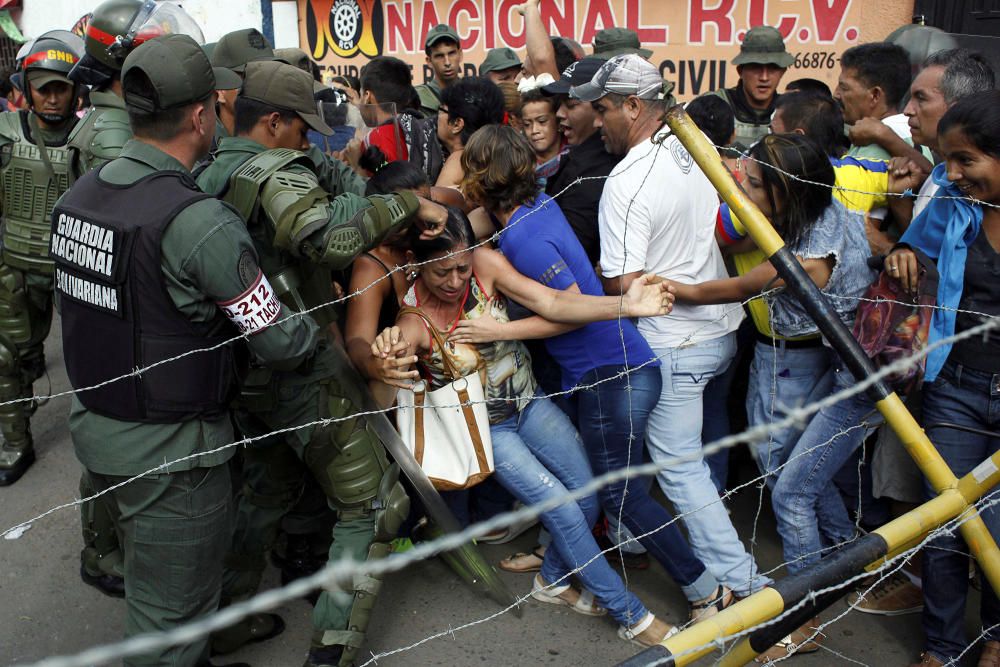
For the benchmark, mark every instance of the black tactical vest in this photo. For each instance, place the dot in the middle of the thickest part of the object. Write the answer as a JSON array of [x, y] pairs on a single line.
[[116, 312]]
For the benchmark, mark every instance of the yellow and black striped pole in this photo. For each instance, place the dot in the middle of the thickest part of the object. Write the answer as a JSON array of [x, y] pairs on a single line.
[[955, 496]]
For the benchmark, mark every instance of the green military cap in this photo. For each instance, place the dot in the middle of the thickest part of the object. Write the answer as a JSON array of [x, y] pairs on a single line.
[[178, 70], [286, 87], [763, 45], [235, 49], [439, 32], [295, 57], [612, 42], [499, 59]]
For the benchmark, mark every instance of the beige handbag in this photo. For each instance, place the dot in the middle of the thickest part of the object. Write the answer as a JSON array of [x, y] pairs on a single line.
[[447, 429]]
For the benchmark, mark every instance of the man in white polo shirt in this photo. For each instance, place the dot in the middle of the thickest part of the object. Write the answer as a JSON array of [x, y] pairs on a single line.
[[657, 214]]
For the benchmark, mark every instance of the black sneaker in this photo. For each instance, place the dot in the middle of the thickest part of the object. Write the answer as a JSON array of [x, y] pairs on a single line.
[[324, 656]]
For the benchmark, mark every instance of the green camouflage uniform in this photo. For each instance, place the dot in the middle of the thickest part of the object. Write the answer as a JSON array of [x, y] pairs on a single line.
[[300, 234]]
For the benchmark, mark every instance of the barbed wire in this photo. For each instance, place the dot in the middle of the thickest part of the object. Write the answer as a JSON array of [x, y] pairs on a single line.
[[841, 188], [224, 617], [345, 569]]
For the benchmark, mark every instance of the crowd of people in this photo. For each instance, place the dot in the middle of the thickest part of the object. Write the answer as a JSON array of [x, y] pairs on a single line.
[[537, 224]]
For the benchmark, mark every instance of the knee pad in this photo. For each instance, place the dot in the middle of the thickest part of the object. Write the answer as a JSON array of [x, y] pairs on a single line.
[[346, 458], [15, 313]]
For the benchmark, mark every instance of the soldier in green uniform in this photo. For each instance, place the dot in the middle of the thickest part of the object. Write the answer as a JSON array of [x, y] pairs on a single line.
[[104, 129], [443, 49], [233, 51], [761, 63], [148, 267], [35, 170], [116, 27], [300, 234]]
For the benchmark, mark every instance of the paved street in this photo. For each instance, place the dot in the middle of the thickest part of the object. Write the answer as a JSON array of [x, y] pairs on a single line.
[[46, 610]]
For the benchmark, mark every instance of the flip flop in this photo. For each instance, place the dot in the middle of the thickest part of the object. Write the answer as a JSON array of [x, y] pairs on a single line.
[[523, 563]]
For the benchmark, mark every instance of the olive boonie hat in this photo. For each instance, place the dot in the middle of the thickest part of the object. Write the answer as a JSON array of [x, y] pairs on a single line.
[[612, 42], [284, 86], [499, 59], [235, 49], [577, 74], [178, 71], [439, 32], [764, 45]]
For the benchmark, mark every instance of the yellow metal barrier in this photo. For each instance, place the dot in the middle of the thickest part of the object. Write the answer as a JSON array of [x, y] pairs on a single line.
[[955, 497]]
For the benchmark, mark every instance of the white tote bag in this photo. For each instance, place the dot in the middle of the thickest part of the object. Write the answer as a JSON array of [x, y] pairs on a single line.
[[448, 429]]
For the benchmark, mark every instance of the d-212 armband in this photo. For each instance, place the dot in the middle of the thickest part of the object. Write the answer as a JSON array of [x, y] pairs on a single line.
[[255, 309]]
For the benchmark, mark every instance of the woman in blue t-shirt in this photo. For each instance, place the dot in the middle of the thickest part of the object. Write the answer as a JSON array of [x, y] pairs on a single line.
[[613, 370]]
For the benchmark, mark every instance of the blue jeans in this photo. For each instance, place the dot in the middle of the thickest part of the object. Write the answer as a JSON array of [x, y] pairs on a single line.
[[804, 490], [966, 397], [538, 455], [783, 378], [674, 431], [612, 420]]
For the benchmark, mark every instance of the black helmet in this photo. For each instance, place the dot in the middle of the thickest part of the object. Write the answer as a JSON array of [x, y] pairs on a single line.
[[116, 27], [48, 58]]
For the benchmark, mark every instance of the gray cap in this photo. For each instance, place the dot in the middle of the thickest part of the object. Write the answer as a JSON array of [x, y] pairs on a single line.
[[577, 74], [284, 86], [439, 32], [178, 70], [764, 45], [612, 42], [500, 59], [235, 49], [628, 75]]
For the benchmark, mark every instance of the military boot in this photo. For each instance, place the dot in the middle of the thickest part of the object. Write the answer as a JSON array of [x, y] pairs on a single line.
[[252, 629], [15, 459]]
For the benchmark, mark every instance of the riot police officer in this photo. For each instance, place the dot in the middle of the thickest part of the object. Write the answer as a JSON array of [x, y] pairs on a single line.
[[104, 128], [300, 234], [35, 169], [149, 268]]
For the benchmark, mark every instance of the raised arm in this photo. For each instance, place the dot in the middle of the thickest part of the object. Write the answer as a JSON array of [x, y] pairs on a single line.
[[541, 54]]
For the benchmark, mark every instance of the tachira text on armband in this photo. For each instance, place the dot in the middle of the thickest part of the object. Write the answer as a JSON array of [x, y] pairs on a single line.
[[86, 245], [255, 309]]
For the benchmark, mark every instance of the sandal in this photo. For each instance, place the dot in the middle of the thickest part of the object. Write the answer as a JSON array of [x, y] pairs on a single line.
[[712, 605], [522, 563], [634, 634], [550, 594], [803, 639]]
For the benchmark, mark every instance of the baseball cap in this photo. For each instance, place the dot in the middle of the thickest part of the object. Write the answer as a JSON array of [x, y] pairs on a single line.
[[295, 57], [612, 42], [41, 77], [286, 87], [763, 45], [628, 74], [178, 70], [439, 32], [235, 49], [499, 59], [577, 74]]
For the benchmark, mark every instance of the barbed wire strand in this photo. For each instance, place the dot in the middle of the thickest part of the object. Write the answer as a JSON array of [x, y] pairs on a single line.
[[344, 570]]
